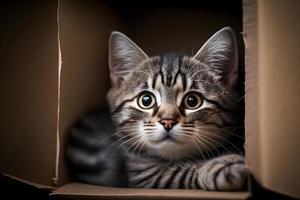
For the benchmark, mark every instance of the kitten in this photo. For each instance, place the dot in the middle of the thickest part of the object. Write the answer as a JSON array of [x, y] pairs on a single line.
[[174, 120]]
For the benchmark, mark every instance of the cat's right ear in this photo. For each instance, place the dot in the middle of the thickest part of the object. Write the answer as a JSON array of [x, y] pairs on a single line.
[[124, 56]]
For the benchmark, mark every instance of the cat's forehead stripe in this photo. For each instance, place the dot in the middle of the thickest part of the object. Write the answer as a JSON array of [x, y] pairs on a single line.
[[170, 65], [154, 80]]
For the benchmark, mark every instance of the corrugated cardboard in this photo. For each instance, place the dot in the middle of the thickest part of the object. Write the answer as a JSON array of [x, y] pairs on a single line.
[[54, 69], [273, 93], [84, 27], [79, 191]]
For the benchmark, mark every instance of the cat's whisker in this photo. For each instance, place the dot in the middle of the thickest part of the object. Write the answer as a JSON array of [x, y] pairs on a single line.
[[126, 141], [117, 132], [223, 130], [140, 143], [190, 129], [226, 140], [208, 142], [191, 124], [201, 138], [124, 130], [122, 138], [205, 148], [141, 148], [136, 142], [188, 125], [149, 128], [206, 136], [131, 133], [149, 133], [128, 132], [232, 127], [196, 145], [238, 100], [149, 125], [230, 133], [215, 141], [199, 142]]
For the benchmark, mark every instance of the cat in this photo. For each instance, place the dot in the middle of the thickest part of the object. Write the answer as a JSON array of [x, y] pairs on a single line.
[[171, 123]]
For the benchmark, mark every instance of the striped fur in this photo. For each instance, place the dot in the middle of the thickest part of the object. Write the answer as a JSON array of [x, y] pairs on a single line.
[[199, 150], [193, 174]]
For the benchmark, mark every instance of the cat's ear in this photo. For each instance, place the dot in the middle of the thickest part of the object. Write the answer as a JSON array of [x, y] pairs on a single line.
[[220, 54], [124, 56]]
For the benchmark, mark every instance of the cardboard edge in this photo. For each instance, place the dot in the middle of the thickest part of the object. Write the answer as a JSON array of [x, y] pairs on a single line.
[[85, 190], [35, 185], [150, 196], [59, 63], [250, 37]]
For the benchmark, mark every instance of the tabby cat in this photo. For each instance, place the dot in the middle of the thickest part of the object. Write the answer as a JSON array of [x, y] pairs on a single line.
[[171, 124]]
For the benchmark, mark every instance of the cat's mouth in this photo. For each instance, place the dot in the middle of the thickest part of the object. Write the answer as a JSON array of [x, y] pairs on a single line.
[[167, 138]]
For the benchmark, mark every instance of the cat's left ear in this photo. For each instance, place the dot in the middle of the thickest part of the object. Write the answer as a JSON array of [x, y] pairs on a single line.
[[124, 57], [220, 54]]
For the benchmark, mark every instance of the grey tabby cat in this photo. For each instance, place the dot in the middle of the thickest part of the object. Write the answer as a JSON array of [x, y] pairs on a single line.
[[174, 118]]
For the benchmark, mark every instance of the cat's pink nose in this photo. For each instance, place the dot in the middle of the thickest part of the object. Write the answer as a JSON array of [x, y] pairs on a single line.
[[168, 123]]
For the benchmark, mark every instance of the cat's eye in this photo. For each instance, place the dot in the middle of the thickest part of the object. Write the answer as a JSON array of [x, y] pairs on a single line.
[[192, 101], [146, 100]]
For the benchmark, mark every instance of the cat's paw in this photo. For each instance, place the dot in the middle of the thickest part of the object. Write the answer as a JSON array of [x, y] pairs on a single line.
[[226, 173], [232, 176]]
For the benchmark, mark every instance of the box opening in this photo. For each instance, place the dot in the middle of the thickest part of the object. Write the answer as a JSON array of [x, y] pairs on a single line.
[[157, 28]]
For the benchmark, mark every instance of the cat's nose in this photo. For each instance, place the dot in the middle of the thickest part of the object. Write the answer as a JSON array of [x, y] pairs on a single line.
[[168, 123]]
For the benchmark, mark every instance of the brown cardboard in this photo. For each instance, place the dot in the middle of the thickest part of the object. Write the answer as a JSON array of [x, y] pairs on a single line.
[[273, 94], [84, 28], [280, 94], [252, 120], [79, 191], [33, 184], [28, 86]]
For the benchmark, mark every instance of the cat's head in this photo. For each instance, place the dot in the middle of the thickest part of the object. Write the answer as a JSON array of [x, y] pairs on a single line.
[[173, 106]]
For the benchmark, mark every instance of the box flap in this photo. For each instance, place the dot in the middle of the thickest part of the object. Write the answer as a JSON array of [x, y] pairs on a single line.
[[273, 93], [28, 86], [75, 190], [35, 185], [84, 28]]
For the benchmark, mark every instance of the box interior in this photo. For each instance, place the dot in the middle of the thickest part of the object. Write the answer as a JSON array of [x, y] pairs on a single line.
[[84, 31]]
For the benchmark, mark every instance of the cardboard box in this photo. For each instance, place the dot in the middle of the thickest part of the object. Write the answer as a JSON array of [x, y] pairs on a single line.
[[54, 68]]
